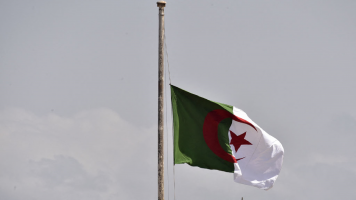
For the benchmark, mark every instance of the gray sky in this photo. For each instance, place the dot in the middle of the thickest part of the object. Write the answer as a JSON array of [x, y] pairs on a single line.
[[78, 87]]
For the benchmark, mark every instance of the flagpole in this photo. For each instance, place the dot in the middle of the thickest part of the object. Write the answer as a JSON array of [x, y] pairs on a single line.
[[161, 5]]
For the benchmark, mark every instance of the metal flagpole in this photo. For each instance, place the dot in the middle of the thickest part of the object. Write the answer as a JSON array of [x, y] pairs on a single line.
[[161, 5]]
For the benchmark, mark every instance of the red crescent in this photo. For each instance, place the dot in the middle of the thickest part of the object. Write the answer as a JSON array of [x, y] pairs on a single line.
[[210, 132]]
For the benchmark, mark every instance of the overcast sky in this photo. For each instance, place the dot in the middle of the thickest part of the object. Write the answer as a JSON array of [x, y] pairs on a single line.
[[78, 94]]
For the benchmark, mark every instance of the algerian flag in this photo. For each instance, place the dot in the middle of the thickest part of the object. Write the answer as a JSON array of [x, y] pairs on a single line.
[[217, 136]]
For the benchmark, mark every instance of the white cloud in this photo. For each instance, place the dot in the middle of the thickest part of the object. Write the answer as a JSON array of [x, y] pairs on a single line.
[[94, 154]]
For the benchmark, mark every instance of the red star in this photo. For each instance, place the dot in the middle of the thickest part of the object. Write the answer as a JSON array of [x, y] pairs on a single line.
[[237, 141]]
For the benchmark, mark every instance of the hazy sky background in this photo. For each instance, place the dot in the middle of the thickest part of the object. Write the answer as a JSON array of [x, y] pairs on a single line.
[[78, 88]]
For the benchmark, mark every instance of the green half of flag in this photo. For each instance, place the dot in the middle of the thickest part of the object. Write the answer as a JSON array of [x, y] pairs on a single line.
[[189, 113]]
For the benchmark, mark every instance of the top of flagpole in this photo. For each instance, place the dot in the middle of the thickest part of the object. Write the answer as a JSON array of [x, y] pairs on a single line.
[[161, 4]]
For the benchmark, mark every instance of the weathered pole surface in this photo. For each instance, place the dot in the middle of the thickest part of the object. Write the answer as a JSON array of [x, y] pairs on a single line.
[[161, 5]]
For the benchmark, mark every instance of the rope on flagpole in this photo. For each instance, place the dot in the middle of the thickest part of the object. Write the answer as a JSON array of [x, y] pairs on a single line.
[[165, 50], [166, 129], [174, 166], [170, 82]]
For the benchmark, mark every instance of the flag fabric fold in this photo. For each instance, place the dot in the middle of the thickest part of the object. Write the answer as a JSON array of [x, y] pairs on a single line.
[[221, 137]]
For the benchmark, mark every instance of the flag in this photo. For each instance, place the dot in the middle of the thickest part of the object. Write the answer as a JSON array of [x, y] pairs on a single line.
[[221, 137]]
